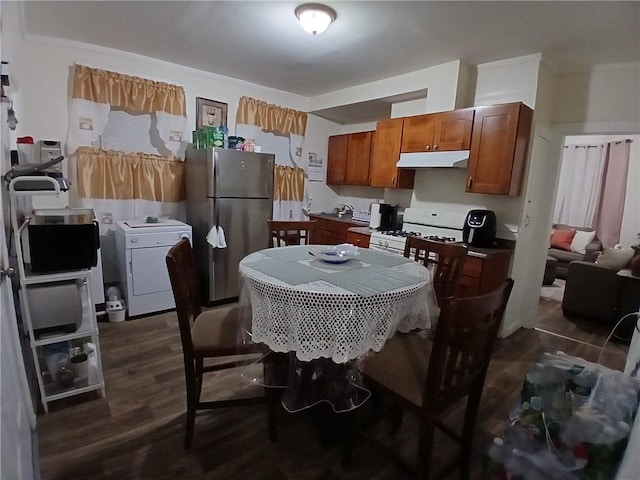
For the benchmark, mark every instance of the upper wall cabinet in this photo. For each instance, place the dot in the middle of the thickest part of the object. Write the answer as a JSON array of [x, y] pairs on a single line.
[[441, 131], [499, 147], [337, 159], [348, 159], [386, 152]]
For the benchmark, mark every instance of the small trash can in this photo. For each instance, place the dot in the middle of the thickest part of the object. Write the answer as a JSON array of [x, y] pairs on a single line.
[[115, 311]]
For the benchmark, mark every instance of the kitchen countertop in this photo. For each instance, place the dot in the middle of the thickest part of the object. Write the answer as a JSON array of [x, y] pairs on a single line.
[[485, 252], [361, 230], [346, 218]]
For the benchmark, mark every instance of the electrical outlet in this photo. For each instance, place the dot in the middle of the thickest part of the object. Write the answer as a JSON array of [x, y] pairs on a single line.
[[107, 218]]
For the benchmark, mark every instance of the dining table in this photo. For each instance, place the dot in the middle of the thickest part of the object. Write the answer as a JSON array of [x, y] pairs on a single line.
[[325, 317]]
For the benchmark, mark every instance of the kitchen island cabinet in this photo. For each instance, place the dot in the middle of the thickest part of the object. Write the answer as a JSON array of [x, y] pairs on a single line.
[[386, 153], [348, 159], [442, 131], [499, 146], [331, 229]]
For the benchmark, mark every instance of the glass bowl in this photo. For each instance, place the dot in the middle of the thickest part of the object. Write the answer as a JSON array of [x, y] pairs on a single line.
[[338, 253]]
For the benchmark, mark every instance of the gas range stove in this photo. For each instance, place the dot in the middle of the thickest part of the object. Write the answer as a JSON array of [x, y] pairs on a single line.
[[403, 233], [438, 225]]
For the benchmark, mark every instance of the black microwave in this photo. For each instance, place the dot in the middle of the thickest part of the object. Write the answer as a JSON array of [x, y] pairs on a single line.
[[60, 243]]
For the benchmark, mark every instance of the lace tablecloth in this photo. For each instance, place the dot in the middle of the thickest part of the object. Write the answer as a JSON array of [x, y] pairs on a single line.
[[319, 319]]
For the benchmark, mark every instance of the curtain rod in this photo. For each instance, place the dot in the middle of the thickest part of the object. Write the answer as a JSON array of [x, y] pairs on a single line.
[[616, 142]]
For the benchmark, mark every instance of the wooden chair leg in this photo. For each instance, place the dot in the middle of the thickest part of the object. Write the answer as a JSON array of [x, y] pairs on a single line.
[[470, 417], [425, 448], [199, 373], [348, 437], [273, 398], [191, 378], [397, 412]]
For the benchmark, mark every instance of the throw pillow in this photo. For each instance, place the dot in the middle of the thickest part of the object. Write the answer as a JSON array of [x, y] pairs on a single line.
[[617, 258], [581, 240], [562, 239]]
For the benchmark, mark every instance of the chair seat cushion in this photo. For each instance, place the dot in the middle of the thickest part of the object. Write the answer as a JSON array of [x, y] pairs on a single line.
[[402, 365], [216, 329]]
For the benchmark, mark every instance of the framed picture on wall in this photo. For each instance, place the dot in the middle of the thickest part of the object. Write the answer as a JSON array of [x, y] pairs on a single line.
[[210, 113]]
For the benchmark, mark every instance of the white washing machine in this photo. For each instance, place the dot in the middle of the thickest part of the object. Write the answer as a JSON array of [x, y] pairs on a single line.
[[142, 268]]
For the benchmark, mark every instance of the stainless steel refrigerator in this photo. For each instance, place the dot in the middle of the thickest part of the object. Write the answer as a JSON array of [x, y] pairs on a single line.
[[233, 190]]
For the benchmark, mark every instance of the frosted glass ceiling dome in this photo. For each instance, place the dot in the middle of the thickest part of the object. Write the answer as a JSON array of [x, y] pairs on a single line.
[[315, 18]]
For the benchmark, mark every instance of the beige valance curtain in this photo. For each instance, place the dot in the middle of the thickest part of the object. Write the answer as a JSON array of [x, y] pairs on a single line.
[[96, 92], [271, 117], [288, 184], [127, 92], [113, 175]]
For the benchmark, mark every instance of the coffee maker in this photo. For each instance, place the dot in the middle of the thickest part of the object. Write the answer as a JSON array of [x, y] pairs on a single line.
[[388, 216], [479, 229]]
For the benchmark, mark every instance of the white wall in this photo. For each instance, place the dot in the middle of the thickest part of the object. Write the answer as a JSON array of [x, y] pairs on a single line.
[[631, 215], [441, 82], [510, 80], [608, 97], [41, 71]]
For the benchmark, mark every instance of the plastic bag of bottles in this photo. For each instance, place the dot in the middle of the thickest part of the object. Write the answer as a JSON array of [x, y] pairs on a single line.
[[572, 421]]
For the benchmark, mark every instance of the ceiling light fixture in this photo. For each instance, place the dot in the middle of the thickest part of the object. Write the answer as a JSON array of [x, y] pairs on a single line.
[[314, 17]]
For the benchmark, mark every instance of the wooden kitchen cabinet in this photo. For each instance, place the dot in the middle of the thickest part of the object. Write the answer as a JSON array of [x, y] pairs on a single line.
[[348, 159], [359, 158], [499, 146], [330, 232], [386, 153], [337, 159], [358, 239], [484, 273], [442, 131]]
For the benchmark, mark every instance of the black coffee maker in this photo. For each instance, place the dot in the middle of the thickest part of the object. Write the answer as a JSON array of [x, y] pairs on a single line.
[[479, 228], [389, 217]]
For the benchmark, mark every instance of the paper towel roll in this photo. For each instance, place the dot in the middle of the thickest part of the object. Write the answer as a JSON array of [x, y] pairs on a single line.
[[374, 221]]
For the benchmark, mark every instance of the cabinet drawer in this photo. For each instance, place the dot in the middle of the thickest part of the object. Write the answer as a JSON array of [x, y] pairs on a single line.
[[468, 286], [145, 240], [473, 267], [338, 227], [358, 239]]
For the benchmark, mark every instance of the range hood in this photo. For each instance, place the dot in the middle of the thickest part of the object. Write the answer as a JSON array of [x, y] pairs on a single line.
[[455, 159]]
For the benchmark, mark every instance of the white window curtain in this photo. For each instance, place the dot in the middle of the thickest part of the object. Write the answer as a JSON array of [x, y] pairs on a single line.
[[580, 185], [96, 92], [138, 125], [279, 131]]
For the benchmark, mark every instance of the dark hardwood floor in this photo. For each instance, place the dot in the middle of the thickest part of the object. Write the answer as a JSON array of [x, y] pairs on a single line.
[[136, 432]]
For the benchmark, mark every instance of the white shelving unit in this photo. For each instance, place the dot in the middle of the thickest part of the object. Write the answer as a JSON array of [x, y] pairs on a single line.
[[50, 389]]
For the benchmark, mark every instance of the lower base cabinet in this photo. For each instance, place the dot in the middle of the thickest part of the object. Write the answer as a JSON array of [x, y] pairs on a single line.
[[483, 273], [358, 239], [331, 232]]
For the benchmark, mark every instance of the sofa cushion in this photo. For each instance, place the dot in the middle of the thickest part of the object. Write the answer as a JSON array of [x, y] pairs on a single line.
[[581, 240], [564, 256], [617, 258], [562, 239]]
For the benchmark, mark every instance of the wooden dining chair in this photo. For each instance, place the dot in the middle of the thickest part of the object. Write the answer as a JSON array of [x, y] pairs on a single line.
[[204, 334], [447, 260], [282, 233], [428, 377]]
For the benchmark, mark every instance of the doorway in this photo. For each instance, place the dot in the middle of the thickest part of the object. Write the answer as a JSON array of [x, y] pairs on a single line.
[[551, 316]]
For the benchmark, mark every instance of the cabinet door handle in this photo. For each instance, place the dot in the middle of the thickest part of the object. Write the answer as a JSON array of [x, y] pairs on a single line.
[[469, 182], [428, 147], [435, 147], [393, 180]]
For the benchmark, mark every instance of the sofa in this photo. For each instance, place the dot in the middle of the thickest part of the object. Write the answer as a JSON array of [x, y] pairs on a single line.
[[565, 257], [601, 291]]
